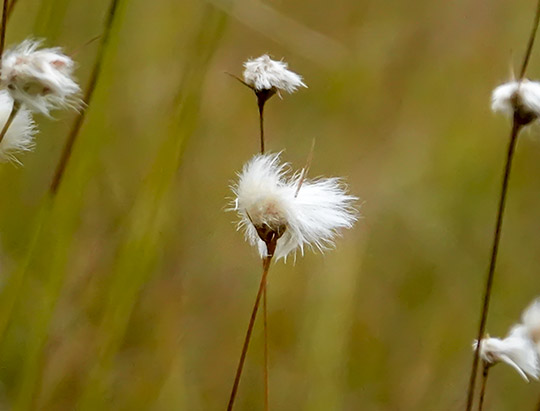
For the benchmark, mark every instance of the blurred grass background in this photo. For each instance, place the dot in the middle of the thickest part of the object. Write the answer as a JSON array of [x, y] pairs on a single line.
[[155, 285]]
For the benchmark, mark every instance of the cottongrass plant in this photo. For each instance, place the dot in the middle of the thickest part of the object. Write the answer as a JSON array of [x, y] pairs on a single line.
[[282, 213], [40, 78], [519, 349], [267, 77], [37, 80], [520, 100]]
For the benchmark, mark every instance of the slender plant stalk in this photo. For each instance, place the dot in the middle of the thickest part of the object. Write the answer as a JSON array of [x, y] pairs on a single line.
[[260, 104], [70, 142], [12, 114], [530, 43], [516, 127], [265, 321], [4, 27], [266, 267], [261, 123], [485, 374]]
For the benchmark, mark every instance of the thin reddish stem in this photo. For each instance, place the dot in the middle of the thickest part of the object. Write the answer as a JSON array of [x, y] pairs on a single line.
[[266, 267], [485, 374], [265, 321]]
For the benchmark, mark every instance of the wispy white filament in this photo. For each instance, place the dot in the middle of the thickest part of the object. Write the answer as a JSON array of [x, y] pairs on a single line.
[[42, 79], [263, 73], [519, 96], [20, 135], [267, 194], [520, 348]]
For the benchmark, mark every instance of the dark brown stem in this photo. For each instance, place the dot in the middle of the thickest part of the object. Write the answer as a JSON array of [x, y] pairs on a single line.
[[261, 123], [265, 322], [485, 374], [76, 127], [13, 113], [530, 44], [3, 28], [516, 127], [266, 267]]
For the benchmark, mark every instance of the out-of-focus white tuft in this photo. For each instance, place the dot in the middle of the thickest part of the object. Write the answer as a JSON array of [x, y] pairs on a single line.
[[531, 321], [42, 79], [516, 350], [522, 97], [267, 196], [20, 135], [263, 73], [520, 348]]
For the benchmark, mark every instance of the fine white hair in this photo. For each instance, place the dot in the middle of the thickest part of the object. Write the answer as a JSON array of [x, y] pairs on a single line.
[[42, 79], [20, 134], [267, 193], [263, 73]]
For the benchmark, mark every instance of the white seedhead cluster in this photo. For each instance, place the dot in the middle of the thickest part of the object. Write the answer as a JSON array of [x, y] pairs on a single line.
[[33, 79], [520, 348], [263, 73], [518, 98], [300, 212]]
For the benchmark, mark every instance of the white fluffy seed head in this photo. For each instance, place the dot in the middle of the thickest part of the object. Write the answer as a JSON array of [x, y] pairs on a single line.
[[516, 350], [263, 73], [521, 98], [267, 195], [20, 135], [520, 348], [42, 79]]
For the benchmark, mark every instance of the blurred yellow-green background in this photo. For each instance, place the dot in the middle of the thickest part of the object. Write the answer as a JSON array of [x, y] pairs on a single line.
[[137, 289]]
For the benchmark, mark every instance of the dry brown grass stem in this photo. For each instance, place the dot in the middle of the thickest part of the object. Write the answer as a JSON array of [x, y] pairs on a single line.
[[266, 360], [485, 374], [3, 28], [266, 266], [516, 127], [72, 137], [530, 43]]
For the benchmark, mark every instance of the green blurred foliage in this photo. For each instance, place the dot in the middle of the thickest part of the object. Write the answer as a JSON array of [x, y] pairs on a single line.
[[155, 285]]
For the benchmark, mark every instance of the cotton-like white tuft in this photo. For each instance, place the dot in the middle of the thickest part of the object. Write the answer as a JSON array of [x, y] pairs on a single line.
[[516, 350], [531, 321], [521, 347], [42, 79], [20, 134], [521, 97], [267, 196], [263, 73]]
